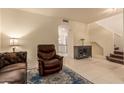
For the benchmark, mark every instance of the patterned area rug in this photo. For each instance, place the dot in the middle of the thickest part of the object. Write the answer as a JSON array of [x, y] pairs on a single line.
[[66, 76]]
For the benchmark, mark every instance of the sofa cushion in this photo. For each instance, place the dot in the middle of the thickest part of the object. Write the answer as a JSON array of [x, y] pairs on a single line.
[[47, 56], [46, 48], [51, 63], [13, 73], [13, 67], [15, 76], [46, 51]]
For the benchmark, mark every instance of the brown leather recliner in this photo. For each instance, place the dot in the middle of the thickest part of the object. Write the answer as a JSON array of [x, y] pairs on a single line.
[[49, 62]]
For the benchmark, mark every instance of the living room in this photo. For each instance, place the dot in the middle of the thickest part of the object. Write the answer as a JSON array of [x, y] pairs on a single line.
[[101, 29]]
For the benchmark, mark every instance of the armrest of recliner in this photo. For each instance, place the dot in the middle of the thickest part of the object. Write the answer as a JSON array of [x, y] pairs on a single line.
[[59, 57], [41, 63], [40, 60], [61, 60]]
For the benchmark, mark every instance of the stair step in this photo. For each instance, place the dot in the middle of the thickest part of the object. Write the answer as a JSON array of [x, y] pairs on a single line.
[[116, 48], [117, 56], [118, 52], [120, 61]]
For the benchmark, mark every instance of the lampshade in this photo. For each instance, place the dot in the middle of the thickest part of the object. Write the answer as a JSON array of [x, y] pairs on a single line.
[[14, 42]]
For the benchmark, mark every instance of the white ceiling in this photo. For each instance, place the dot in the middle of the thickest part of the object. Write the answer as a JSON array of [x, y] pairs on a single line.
[[86, 15]]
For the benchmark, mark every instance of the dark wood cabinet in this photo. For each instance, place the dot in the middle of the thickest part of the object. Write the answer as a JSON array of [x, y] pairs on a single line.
[[81, 52]]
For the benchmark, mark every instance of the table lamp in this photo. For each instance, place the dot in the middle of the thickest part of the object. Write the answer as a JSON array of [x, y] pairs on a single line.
[[14, 42]]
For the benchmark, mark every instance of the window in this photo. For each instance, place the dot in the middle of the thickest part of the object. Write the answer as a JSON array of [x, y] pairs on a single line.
[[63, 38]]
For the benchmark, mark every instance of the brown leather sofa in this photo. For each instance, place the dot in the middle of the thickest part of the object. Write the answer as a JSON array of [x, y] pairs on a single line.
[[13, 67], [49, 62]]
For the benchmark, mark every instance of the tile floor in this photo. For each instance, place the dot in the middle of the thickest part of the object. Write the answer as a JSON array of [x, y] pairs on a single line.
[[97, 70]]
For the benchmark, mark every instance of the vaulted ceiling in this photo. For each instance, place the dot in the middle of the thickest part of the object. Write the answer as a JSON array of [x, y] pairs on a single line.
[[86, 15]]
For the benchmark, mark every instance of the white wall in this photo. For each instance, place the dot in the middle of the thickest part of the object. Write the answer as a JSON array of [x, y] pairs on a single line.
[[32, 29], [77, 31]]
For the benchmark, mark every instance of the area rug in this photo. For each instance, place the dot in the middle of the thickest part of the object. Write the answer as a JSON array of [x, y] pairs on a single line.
[[65, 76]]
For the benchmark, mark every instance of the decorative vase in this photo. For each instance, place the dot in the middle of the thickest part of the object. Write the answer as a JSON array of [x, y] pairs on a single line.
[[82, 41]]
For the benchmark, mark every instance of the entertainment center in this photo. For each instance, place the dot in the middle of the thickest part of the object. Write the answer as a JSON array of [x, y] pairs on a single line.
[[81, 52]]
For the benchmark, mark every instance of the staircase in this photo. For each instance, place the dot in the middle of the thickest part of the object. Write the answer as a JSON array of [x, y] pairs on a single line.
[[117, 56]]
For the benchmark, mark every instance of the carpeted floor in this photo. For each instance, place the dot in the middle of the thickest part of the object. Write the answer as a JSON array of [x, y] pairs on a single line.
[[66, 76]]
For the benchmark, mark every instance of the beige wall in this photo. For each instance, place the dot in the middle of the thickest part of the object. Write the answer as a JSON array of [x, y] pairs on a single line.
[[115, 25], [77, 31], [123, 29], [103, 37], [118, 41], [34, 29], [97, 50], [31, 29], [0, 27]]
